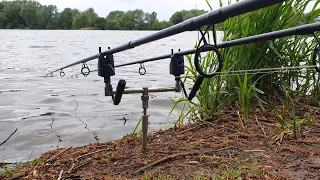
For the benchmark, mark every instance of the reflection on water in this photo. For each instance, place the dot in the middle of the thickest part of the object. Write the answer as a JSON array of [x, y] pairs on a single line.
[[51, 112]]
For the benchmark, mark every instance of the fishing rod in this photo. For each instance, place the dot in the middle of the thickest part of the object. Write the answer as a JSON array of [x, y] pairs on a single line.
[[299, 30], [213, 17], [177, 61]]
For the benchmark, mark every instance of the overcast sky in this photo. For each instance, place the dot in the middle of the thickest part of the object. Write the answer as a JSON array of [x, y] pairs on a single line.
[[164, 8]]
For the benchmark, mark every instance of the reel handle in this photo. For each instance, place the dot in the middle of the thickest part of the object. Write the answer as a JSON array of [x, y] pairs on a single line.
[[120, 89]]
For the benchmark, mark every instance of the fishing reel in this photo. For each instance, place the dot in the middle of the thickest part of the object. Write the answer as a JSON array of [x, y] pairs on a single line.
[[106, 70]]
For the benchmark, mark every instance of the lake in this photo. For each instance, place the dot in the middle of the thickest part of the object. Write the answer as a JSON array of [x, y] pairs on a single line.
[[64, 111]]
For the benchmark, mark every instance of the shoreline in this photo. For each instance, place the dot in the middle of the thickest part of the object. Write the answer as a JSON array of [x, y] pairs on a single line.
[[222, 147]]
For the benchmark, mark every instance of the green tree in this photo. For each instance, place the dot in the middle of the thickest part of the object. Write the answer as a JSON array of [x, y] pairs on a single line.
[[152, 23], [176, 18], [115, 15], [113, 24], [3, 20], [164, 24], [12, 12], [46, 17], [29, 13], [100, 23], [81, 20], [114, 20], [65, 19], [1, 6], [133, 20], [92, 16]]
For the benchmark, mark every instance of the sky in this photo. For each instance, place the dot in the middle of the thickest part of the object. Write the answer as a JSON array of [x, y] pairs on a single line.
[[164, 8]]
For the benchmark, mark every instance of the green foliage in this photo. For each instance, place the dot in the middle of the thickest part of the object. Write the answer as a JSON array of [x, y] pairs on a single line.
[[65, 19], [133, 20], [226, 89], [3, 20], [113, 25], [92, 16], [31, 14], [100, 23], [81, 20], [47, 16], [6, 169], [183, 15], [176, 18]]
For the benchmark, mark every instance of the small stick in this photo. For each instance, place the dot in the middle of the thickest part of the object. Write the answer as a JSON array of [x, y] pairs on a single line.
[[71, 168], [264, 133], [17, 176], [83, 164], [8, 137], [32, 170], [91, 153], [55, 156], [195, 127], [240, 119], [220, 126], [177, 155], [60, 175], [254, 150]]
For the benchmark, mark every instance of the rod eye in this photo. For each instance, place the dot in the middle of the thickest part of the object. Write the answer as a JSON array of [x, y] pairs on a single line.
[[85, 71], [204, 48], [142, 69], [62, 73], [316, 57]]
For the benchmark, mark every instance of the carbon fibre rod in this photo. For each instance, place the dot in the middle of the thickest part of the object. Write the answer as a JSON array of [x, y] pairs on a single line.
[[213, 17], [299, 30]]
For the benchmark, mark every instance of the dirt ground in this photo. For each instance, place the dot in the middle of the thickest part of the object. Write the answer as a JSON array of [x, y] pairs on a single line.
[[225, 147]]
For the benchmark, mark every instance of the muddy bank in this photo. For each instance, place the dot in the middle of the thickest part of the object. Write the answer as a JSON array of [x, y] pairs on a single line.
[[223, 147]]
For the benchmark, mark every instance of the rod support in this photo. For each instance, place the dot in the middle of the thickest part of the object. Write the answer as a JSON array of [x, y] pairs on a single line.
[[145, 121]]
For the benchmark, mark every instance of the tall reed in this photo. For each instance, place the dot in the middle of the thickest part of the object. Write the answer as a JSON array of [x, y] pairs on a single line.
[[223, 90]]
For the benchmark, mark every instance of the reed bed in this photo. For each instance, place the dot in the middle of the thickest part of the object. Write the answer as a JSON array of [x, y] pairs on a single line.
[[262, 77]]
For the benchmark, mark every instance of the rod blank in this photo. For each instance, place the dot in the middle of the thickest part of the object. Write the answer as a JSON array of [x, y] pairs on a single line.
[[300, 30], [213, 17]]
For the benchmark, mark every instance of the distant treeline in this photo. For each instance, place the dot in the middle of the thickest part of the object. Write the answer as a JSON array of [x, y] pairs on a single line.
[[21, 14]]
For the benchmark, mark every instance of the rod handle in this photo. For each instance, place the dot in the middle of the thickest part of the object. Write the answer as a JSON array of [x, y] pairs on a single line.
[[195, 87], [119, 92]]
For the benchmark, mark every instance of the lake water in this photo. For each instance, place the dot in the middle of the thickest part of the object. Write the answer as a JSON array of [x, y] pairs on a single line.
[[75, 110]]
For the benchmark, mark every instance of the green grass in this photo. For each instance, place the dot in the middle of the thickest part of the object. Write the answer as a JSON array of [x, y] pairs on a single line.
[[244, 88]]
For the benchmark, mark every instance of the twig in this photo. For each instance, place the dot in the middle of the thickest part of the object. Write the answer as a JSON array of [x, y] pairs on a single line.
[[77, 105], [254, 150], [220, 126], [55, 156], [17, 176], [60, 175], [264, 133], [32, 171], [91, 153], [195, 127], [8, 137], [80, 165], [177, 155], [240, 119], [71, 168]]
